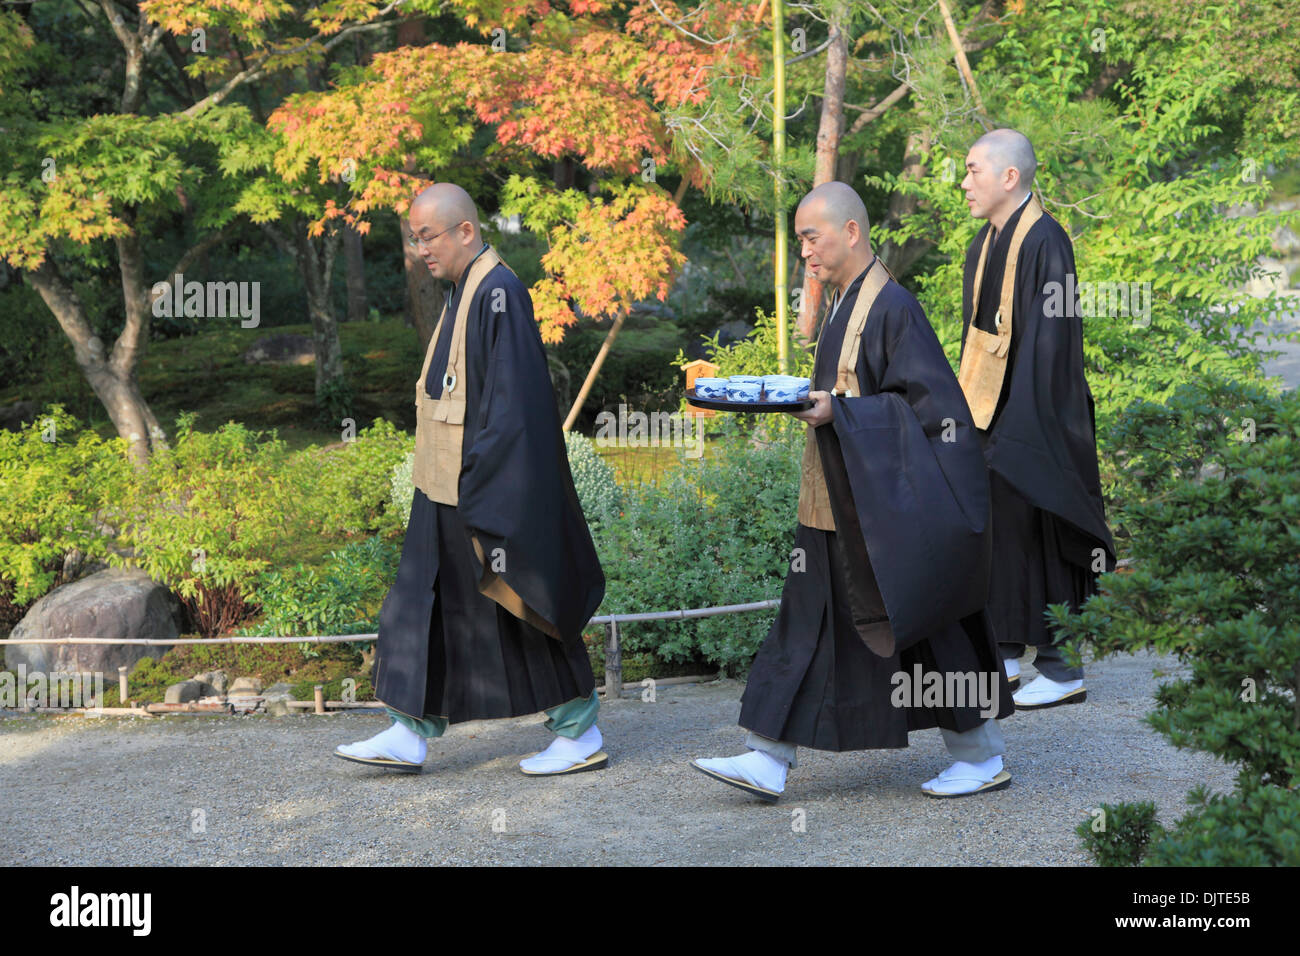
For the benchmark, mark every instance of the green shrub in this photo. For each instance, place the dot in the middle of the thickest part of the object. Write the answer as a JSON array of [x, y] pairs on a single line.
[[204, 516], [1153, 443], [348, 490], [343, 597], [56, 485], [1216, 581], [714, 531], [1253, 826], [1119, 835], [593, 478]]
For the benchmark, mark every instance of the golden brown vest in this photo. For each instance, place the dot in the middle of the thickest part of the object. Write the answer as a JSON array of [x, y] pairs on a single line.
[[984, 359], [814, 500]]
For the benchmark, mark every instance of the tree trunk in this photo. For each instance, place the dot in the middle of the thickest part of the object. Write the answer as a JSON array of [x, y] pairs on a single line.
[[111, 377], [315, 260], [355, 259], [829, 133], [901, 205]]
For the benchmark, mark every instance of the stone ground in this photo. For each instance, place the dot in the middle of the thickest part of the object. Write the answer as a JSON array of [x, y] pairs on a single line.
[[131, 791]]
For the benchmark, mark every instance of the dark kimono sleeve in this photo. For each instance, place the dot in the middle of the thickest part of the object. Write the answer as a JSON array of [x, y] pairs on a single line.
[[516, 490], [913, 507], [1043, 439]]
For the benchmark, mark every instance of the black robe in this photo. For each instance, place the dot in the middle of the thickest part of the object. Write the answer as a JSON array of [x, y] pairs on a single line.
[[907, 569], [444, 649], [1048, 516]]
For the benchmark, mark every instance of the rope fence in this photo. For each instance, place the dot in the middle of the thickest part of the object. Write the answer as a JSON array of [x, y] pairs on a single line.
[[611, 622], [613, 650]]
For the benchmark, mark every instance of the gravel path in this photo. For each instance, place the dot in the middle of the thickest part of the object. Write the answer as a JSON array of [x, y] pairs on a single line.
[[267, 790]]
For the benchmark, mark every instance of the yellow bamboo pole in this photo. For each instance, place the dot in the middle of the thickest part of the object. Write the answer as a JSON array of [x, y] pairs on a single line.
[[959, 53], [778, 162]]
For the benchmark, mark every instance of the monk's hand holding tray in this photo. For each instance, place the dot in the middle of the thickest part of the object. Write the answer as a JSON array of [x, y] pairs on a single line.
[[820, 413]]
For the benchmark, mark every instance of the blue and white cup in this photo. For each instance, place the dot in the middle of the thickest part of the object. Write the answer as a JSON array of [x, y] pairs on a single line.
[[715, 388], [783, 392], [786, 388], [744, 391]]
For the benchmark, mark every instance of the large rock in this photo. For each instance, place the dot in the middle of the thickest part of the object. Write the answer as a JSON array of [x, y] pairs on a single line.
[[184, 692], [281, 350], [114, 604], [245, 685], [214, 682]]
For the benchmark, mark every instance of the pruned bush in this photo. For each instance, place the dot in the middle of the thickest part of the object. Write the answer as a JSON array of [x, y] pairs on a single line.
[[593, 478], [1118, 834], [717, 530], [342, 597]]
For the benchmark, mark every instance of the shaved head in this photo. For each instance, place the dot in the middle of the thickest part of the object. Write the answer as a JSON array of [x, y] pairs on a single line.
[[840, 202], [831, 225], [1008, 148], [444, 230], [1000, 170], [446, 203]]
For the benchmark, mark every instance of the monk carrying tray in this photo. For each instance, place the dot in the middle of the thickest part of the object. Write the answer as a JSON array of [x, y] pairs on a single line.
[[726, 405]]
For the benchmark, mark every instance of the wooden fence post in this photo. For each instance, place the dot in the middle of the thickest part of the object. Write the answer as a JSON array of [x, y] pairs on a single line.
[[613, 663]]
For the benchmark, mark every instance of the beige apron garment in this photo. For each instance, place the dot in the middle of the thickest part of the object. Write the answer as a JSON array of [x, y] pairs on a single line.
[[814, 500], [439, 440], [984, 360], [440, 423]]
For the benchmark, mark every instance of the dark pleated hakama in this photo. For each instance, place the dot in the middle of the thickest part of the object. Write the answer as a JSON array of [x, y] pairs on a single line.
[[1038, 559], [483, 662]]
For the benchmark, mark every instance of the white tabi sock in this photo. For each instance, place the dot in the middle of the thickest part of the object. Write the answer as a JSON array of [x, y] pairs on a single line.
[[1012, 667], [755, 767], [564, 752], [985, 771], [398, 742], [1043, 690]]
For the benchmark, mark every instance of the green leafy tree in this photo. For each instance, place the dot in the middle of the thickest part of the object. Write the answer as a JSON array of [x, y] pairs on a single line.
[[1142, 161]]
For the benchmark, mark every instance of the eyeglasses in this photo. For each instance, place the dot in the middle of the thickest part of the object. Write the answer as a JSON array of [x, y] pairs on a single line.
[[416, 241]]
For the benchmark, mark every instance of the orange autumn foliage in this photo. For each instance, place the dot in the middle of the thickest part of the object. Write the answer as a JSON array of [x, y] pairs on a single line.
[[583, 87]]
